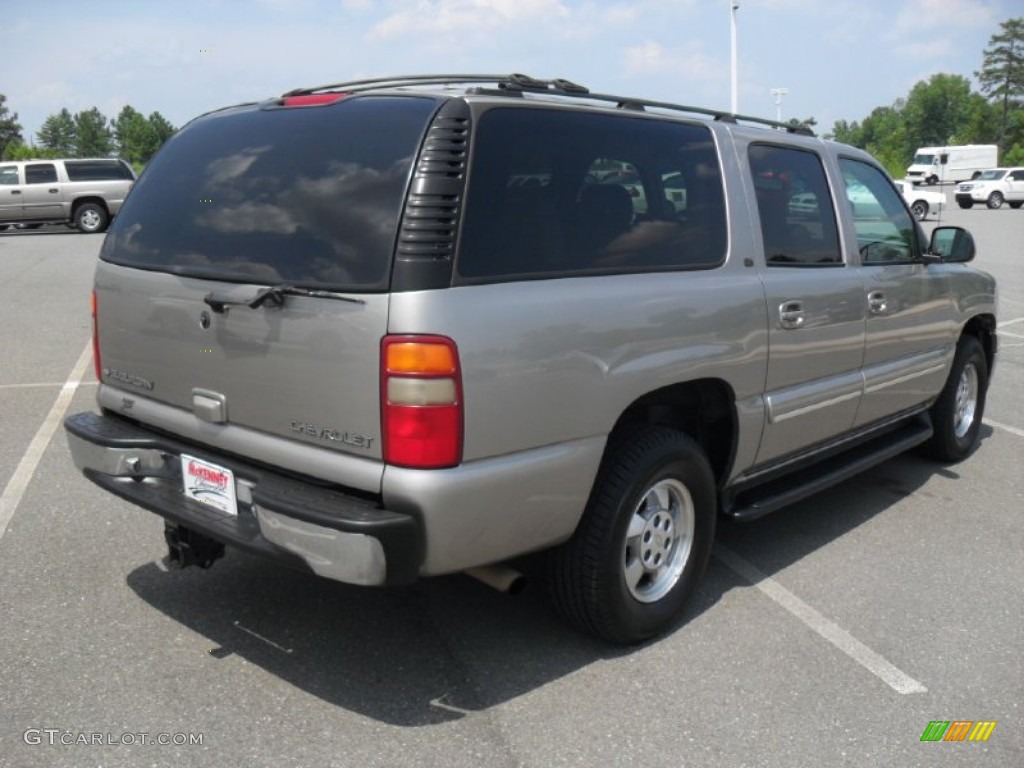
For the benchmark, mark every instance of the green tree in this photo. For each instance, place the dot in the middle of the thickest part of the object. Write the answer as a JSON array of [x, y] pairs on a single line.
[[136, 137], [10, 128], [937, 110], [94, 137], [58, 133], [18, 150], [164, 130], [1002, 70]]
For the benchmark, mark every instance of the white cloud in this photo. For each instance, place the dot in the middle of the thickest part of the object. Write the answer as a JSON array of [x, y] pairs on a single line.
[[688, 63], [468, 17]]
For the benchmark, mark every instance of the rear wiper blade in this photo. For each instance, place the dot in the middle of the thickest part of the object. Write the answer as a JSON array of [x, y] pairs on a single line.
[[273, 296]]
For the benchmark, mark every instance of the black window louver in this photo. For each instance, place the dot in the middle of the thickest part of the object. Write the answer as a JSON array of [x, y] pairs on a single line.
[[431, 217]]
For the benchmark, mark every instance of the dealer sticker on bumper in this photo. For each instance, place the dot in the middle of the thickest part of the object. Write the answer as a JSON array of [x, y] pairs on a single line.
[[209, 484]]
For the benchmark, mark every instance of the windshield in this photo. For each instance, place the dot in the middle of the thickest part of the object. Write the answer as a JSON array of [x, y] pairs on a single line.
[[993, 175], [306, 196], [922, 159]]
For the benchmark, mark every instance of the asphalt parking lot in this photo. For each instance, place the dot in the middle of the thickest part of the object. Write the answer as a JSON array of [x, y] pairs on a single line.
[[830, 633]]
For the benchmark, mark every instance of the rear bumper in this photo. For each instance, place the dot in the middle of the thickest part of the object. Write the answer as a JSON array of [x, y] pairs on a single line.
[[333, 534]]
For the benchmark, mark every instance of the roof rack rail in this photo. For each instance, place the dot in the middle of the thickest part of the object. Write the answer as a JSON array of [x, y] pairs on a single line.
[[517, 84]]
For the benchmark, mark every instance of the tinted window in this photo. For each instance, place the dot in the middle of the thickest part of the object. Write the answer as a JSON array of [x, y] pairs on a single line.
[[798, 222], [40, 173], [558, 192], [885, 230], [305, 195], [8, 174], [97, 170]]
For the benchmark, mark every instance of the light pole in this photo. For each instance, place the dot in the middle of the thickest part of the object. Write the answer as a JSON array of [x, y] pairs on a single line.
[[779, 93], [735, 4]]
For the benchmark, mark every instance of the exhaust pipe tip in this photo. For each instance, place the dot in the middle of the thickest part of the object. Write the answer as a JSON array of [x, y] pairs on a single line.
[[499, 577]]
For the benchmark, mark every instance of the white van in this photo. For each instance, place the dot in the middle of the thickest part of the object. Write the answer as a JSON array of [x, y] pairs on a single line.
[[938, 165]]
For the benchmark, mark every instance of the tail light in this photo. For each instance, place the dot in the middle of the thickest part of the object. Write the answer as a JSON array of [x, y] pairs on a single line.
[[95, 337], [421, 402]]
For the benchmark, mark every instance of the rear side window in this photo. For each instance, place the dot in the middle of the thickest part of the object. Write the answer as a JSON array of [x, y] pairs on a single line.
[[309, 196], [40, 173], [8, 174], [798, 222], [556, 193], [97, 170]]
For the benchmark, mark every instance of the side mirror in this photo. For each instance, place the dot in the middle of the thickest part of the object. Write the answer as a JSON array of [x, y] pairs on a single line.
[[952, 244]]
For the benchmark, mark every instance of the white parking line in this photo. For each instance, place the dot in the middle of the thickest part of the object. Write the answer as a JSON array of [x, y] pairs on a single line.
[[34, 453], [44, 385], [840, 638], [1005, 427], [1010, 322]]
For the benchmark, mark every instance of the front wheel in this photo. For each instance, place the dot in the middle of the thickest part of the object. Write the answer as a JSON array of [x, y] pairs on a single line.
[[90, 217], [644, 539], [956, 415], [1016, 204], [932, 180], [919, 209], [995, 200], [965, 203]]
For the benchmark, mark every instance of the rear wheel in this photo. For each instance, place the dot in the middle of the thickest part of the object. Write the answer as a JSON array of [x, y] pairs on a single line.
[[90, 217], [919, 209], [644, 540], [957, 414], [995, 200]]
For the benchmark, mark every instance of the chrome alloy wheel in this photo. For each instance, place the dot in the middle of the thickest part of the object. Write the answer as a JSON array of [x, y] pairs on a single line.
[[966, 400], [658, 540], [90, 220]]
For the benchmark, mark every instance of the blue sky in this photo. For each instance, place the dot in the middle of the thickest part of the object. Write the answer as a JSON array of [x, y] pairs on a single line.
[[838, 58]]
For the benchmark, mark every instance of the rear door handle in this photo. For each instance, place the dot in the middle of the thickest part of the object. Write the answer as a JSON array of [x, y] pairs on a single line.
[[15, 191], [877, 304], [791, 314]]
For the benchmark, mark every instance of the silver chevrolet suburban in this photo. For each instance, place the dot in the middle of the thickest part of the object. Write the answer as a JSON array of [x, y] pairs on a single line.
[[396, 328], [85, 193]]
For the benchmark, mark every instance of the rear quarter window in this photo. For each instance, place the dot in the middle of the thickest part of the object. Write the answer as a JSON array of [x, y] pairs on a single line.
[[98, 170], [303, 195], [555, 193]]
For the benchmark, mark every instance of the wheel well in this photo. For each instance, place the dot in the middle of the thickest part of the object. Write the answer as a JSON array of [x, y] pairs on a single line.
[[983, 328], [83, 200], [703, 409]]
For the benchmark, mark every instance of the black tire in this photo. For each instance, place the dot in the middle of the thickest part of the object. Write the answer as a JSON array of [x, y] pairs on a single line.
[[598, 579], [91, 217], [965, 203], [957, 414], [1016, 205], [995, 200], [919, 209], [931, 181]]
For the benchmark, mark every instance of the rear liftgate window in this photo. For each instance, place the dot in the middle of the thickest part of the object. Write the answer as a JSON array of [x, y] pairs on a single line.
[[556, 193], [309, 196]]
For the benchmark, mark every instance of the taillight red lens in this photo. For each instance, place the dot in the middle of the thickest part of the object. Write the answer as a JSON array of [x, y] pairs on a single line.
[[421, 402], [93, 306]]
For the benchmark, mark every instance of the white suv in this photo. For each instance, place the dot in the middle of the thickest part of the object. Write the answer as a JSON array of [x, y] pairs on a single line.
[[85, 192], [992, 188]]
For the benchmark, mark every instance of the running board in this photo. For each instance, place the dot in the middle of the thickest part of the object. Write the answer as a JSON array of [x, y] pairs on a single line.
[[754, 501]]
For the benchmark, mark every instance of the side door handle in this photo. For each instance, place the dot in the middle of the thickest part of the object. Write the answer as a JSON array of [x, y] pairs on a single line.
[[877, 304], [15, 191], [791, 314], [53, 191]]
